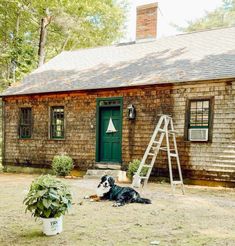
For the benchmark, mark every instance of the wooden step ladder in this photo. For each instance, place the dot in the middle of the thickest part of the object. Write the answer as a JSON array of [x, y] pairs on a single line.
[[163, 129]]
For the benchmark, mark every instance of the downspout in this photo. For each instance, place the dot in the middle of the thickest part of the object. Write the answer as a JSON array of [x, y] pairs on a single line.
[[3, 132]]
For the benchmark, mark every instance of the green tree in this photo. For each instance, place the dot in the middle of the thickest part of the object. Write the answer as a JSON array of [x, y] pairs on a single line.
[[221, 17], [74, 24]]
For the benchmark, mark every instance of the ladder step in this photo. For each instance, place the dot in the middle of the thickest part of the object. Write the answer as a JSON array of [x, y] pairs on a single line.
[[156, 142], [142, 177], [169, 131], [177, 182], [151, 154], [173, 155], [172, 131], [165, 149], [146, 165]]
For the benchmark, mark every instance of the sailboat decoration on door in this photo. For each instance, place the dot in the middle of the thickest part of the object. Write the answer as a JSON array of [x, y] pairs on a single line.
[[111, 128]]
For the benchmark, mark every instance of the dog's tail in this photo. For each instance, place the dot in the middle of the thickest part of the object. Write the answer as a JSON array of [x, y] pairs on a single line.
[[143, 200]]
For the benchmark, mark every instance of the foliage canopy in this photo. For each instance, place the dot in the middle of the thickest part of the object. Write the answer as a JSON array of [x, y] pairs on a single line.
[[221, 17], [74, 24]]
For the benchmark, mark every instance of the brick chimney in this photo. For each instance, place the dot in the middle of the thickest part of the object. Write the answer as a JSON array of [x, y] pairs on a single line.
[[146, 21]]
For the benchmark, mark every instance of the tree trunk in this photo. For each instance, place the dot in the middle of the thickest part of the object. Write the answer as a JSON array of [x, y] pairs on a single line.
[[42, 41], [17, 25], [65, 43], [14, 62]]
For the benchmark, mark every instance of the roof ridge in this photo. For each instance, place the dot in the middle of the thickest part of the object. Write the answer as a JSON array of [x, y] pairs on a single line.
[[89, 48], [154, 40], [206, 30]]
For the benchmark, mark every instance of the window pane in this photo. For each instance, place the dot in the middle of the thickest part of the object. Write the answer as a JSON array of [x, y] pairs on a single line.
[[199, 104], [57, 122], [193, 105], [109, 103], [199, 113], [205, 104], [25, 122]]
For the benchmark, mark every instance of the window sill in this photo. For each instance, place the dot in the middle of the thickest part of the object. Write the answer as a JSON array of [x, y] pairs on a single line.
[[202, 142], [56, 139]]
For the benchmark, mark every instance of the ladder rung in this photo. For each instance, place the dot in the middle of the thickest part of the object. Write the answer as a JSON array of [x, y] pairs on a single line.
[[156, 142], [151, 154], [172, 131], [173, 155], [165, 149], [146, 165], [177, 182], [169, 131], [143, 177], [166, 115]]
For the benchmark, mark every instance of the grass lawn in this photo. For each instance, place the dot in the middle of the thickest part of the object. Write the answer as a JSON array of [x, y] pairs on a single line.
[[204, 216]]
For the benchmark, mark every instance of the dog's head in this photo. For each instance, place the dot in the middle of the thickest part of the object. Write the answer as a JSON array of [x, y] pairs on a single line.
[[106, 183]]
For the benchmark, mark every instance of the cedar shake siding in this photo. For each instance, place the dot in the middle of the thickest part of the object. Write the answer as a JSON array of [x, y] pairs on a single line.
[[213, 160]]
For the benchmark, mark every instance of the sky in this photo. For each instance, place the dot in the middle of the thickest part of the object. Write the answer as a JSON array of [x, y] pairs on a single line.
[[170, 11]]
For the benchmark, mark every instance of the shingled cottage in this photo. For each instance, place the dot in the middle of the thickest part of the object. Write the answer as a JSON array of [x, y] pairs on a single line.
[[67, 104]]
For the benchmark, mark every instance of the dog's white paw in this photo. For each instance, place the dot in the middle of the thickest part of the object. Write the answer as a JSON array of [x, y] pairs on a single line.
[[86, 197], [117, 204]]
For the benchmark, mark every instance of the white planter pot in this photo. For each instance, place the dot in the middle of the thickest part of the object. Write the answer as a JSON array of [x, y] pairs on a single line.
[[52, 226], [136, 181]]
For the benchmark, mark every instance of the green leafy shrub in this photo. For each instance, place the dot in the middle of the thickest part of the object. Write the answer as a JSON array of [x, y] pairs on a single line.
[[133, 167], [48, 197], [62, 165]]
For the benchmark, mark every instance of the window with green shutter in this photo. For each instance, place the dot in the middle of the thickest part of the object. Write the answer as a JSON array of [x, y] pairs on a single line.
[[25, 126], [57, 122]]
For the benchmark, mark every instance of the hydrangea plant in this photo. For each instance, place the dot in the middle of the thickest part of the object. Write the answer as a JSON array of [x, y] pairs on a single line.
[[48, 197]]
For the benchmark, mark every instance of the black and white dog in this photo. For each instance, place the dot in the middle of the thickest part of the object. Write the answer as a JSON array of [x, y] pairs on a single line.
[[107, 190]]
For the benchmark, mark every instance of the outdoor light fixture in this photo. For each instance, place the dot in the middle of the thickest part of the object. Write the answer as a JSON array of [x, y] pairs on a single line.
[[131, 112]]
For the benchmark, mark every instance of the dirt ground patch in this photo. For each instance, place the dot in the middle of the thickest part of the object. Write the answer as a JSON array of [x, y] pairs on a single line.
[[204, 216]]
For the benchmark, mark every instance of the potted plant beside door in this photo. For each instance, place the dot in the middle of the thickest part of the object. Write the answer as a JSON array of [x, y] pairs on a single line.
[[48, 199]]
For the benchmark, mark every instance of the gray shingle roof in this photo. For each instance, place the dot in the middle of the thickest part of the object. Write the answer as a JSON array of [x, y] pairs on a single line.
[[188, 57]]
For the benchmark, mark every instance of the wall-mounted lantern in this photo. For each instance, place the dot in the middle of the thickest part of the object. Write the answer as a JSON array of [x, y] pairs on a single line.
[[131, 112]]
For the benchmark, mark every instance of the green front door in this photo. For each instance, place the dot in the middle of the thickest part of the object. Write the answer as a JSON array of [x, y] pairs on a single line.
[[110, 134]]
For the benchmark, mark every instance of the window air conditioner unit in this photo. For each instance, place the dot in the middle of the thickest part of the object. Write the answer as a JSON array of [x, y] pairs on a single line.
[[198, 134]]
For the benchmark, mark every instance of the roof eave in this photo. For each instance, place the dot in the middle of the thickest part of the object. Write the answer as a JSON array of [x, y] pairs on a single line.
[[121, 87]]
